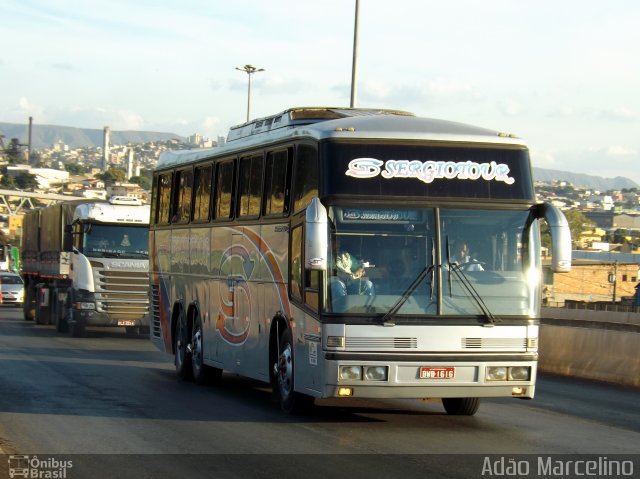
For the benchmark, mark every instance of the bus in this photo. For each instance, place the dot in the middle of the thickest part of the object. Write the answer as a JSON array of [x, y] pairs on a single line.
[[243, 258]]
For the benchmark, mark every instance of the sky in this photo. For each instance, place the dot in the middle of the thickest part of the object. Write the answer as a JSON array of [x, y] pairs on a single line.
[[562, 74]]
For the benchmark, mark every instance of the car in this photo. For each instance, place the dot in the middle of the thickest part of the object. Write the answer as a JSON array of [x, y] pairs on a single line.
[[12, 287]]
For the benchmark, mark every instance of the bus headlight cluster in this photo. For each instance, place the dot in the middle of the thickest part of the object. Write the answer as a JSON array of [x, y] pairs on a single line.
[[366, 373], [508, 373]]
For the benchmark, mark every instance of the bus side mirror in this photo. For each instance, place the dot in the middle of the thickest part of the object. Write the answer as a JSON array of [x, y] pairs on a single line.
[[560, 237], [316, 234], [67, 242]]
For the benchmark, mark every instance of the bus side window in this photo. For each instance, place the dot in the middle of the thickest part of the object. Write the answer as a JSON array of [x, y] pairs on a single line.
[[295, 264], [202, 196], [182, 199], [164, 199], [250, 186], [223, 190], [305, 182], [275, 183]]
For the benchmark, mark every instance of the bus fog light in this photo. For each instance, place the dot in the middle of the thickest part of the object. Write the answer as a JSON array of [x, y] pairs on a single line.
[[518, 392], [345, 392], [519, 373], [496, 373], [376, 373], [350, 373]]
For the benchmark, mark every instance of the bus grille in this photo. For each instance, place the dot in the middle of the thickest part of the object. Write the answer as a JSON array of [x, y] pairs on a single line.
[[156, 332], [494, 343], [122, 294], [381, 343]]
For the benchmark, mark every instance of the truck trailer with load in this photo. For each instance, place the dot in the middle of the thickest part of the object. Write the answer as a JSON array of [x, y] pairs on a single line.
[[86, 263]]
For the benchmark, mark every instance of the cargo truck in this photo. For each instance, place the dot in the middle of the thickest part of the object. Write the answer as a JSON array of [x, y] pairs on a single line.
[[86, 263]]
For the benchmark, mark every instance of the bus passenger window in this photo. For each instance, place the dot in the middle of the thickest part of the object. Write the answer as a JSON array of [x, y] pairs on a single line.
[[202, 193], [295, 265], [164, 198], [224, 190], [182, 206], [305, 183], [275, 184], [250, 186]]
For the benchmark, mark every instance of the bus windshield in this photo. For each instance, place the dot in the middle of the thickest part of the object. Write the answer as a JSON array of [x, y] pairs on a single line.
[[127, 241], [397, 262]]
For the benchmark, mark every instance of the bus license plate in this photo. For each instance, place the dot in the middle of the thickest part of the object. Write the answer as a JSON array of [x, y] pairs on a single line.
[[126, 322], [437, 373]]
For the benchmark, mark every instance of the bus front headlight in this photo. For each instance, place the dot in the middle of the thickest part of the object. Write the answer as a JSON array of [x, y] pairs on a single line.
[[496, 373], [376, 373], [350, 373]]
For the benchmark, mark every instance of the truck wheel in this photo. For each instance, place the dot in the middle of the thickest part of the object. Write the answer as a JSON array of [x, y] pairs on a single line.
[[182, 349], [290, 401], [461, 406], [202, 374]]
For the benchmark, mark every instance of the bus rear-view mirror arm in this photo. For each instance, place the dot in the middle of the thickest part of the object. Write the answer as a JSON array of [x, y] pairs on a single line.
[[560, 236]]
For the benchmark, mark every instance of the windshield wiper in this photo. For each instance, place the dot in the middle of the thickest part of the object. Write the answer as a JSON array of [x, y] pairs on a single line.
[[464, 280], [408, 292]]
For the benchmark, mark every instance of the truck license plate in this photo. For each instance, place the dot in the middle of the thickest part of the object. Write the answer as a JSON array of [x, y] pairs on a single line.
[[126, 322], [437, 373]]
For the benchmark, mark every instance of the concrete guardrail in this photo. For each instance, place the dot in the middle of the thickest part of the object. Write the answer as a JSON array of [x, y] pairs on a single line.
[[598, 345]]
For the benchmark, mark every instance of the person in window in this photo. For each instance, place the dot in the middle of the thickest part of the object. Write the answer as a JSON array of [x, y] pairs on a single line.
[[349, 273], [463, 258]]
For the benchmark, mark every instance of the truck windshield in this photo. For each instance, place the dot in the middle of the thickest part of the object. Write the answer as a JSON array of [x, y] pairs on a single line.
[[400, 263], [125, 241]]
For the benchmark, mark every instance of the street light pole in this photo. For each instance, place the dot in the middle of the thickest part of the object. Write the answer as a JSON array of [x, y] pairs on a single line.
[[354, 64], [249, 70]]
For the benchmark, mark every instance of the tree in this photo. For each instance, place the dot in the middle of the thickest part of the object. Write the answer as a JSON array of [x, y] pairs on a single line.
[[112, 175], [142, 181], [26, 181]]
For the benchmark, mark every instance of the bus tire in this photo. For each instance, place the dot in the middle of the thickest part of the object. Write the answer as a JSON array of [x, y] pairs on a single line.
[[202, 374], [182, 359], [461, 406], [290, 401]]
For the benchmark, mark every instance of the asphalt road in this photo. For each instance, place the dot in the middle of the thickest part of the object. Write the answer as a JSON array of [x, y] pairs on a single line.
[[113, 406]]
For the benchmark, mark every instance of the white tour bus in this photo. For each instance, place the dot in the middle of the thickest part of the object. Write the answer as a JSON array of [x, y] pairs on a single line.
[[249, 272]]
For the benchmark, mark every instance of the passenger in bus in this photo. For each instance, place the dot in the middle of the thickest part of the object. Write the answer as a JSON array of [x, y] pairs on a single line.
[[348, 273]]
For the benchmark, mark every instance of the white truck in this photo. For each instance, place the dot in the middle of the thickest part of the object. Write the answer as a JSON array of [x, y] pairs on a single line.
[[86, 263]]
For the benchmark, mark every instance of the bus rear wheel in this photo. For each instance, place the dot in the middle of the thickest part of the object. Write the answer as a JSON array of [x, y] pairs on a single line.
[[182, 349], [202, 374], [290, 401], [461, 406]]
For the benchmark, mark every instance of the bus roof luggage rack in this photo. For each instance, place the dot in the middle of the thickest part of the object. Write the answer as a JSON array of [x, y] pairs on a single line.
[[304, 116]]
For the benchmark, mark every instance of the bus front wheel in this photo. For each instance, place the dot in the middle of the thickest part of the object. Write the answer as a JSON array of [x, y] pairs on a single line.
[[290, 401], [461, 406]]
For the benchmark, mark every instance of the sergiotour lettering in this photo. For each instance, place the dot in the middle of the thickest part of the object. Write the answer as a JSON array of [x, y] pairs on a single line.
[[553, 467], [428, 171]]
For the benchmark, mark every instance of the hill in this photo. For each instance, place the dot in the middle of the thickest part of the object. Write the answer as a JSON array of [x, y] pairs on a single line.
[[584, 181], [45, 136]]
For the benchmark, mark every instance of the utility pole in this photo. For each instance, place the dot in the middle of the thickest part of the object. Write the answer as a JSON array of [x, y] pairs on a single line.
[[615, 280]]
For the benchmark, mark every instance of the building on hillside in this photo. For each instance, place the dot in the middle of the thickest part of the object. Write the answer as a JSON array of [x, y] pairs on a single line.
[[590, 281], [47, 178], [588, 237], [128, 189]]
